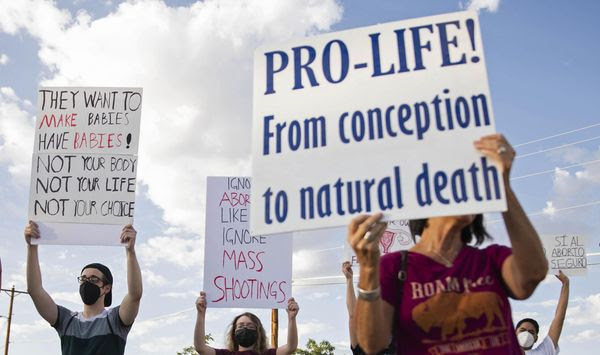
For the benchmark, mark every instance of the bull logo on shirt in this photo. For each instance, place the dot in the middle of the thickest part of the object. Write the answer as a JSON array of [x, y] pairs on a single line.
[[452, 312]]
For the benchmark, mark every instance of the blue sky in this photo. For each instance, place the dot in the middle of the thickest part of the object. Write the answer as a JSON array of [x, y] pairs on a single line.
[[194, 62]]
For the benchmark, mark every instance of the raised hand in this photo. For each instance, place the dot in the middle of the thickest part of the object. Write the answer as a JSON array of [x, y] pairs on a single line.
[[128, 236], [292, 308], [201, 303], [347, 270], [31, 232]]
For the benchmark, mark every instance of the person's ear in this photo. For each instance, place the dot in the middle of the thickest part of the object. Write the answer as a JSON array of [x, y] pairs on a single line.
[[108, 288]]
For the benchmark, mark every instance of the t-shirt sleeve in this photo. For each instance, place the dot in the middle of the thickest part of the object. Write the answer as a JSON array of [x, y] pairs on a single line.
[[547, 347], [388, 276], [498, 254], [271, 352], [119, 328], [222, 352], [62, 318]]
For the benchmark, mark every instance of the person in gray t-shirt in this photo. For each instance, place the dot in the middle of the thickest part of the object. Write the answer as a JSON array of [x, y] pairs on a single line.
[[528, 329], [96, 330]]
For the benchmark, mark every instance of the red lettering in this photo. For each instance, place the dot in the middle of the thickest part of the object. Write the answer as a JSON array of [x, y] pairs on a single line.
[[67, 120]]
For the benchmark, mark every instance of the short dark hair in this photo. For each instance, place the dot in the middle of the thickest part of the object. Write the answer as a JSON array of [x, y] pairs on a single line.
[[476, 229], [529, 320]]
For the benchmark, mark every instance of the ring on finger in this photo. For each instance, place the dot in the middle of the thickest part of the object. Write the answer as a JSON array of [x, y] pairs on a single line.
[[368, 236], [502, 149]]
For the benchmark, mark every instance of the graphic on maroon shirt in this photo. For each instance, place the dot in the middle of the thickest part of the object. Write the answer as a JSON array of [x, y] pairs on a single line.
[[452, 311]]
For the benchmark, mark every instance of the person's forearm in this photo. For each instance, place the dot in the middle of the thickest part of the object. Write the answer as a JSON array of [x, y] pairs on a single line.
[[199, 334], [369, 314], [350, 297], [34, 275], [134, 276], [292, 336], [561, 308], [527, 250]]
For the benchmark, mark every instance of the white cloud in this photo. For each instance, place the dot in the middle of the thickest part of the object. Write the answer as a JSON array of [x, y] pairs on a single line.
[[144, 326], [164, 345], [153, 279], [311, 327], [591, 335], [585, 311], [195, 64], [478, 5], [313, 296], [4, 59], [71, 297], [180, 295], [182, 252], [25, 331], [16, 135]]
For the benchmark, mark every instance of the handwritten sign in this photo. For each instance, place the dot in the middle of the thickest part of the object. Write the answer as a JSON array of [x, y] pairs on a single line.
[[84, 164], [380, 118], [396, 237], [242, 270], [566, 253]]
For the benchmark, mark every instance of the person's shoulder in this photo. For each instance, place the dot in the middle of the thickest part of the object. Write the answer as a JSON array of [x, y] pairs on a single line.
[[62, 310], [547, 346]]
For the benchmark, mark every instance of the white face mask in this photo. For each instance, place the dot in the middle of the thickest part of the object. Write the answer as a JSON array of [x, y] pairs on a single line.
[[525, 339]]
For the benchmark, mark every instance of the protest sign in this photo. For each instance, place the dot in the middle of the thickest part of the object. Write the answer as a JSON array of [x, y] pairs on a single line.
[[84, 164], [380, 118], [396, 237], [242, 270], [566, 253]]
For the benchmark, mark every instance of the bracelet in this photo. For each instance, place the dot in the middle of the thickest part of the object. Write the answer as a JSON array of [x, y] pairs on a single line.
[[368, 295]]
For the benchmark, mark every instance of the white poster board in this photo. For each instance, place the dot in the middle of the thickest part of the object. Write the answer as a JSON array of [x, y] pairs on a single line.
[[566, 253], [380, 118], [396, 237], [242, 270], [84, 165]]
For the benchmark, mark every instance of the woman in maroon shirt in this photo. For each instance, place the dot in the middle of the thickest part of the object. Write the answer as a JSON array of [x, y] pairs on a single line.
[[246, 335], [447, 297]]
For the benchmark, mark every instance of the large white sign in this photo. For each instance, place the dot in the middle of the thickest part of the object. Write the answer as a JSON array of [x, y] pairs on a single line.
[[380, 118], [242, 270], [84, 164], [566, 253]]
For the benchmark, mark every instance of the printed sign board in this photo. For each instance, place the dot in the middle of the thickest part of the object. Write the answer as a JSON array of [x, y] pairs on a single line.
[[380, 118]]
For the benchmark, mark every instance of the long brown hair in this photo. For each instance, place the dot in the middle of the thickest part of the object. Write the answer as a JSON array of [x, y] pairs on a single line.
[[261, 342]]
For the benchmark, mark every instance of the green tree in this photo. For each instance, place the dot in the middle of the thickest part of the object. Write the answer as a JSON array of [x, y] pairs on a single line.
[[312, 348], [190, 349]]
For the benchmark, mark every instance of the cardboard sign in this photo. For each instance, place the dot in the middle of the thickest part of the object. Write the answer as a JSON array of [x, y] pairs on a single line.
[[566, 253], [242, 270], [84, 164], [380, 118], [396, 237]]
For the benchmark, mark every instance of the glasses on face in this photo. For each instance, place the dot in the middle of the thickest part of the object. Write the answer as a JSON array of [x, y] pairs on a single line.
[[242, 325], [92, 279]]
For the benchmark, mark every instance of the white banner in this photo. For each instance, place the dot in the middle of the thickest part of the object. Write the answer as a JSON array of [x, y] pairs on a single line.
[[566, 253], [84, 165], [242, 270], [380, 118]]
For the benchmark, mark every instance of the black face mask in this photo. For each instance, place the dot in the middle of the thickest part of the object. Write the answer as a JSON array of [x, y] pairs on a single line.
[[89, 293], [246, 337]]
